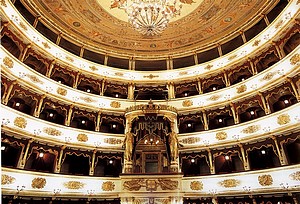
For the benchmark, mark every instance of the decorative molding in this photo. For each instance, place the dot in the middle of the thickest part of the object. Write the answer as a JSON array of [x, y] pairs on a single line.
[[190, 140], [241, 89], [8, 62], [251, 129], [74, 185], [221, 135], [82, 137], [34, 79], [6, 179], [214, 98], [133, 185], [151, 76], [208, 67], [93, 68], [52, 131], [187, 103], [108, 186], [265, 180], [229, 183], [62, 91], [115, 104], [113, 141], [87, 99], [150, 184], [268, 76], [20, 122], [283, 119], [295, 59], [38, 183], [256, 43], [46, 45], [295, 176], [168, 184], [196, 185]]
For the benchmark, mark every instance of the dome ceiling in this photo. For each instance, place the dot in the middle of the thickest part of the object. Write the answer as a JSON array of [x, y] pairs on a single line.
[[201, 23]]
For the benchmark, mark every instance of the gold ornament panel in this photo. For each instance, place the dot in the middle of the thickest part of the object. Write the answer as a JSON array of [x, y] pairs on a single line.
[[265, 180]]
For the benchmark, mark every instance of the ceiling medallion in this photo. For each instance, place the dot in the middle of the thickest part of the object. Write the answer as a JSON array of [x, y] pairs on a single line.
[[150, 17]]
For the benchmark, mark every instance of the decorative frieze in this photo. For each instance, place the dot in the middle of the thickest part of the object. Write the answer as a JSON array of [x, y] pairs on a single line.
[[283, 119], [196, 185], [115, 104], [38, 183], [82, 137], [6, 179], [187, 103], [229, 183], [251, 129], [265, 180], [52, 131], [295, 176], [108, 186], [221, 135], [20, 122], [74, 185]]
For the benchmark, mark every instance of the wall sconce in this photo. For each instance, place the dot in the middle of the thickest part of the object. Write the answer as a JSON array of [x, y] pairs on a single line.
[[56, 191], [247, 189], [5, 122]]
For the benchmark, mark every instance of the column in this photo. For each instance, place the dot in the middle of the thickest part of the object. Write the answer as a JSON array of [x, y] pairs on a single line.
[[81, 51], [205, 122], [265, 104], [282, 158], [266, 20], [22, 163], [171, 90], [129, 140], [211, 163], [169, 63], [24, 52], [279, 51], [196, 58], [50, 68], [102, 87], [173, 142], [290, 80], [38, 107], [295, 199], [234, 113], [36, 21], [245, 158], [131, 63], [131, 88], [253, 67], [69, 116], [219, 49], [227, 82], [243, 36], [75, 84], [214, 200], [92, 167], [105, 59], [6, 96], [58, 164], [58, 39], [200, 89], [98, 121]]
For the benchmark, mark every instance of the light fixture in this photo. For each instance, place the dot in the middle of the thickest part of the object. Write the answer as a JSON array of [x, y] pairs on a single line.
[[193, 160], [111, 161], [114, 126], [286, 101], [83, 122], [149, 17], [185, 94], [51, 115], [252, 112], [227, 157], [41, 154], [117, 95], [2, 148], [189, 125], [157, 141], [17, 104], [88, 90], [263, 152], [220, 120], [214, 88]]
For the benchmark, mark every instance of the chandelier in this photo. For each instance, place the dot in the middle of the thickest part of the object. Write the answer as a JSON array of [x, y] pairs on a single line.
[[149, 17]]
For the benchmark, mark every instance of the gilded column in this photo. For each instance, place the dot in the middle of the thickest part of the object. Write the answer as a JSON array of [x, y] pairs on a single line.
[[243, 36], [50, 68], [102, 87], [69, 116], [92, 167], [266, 19], [211, 163], [244, 156], [294, 88], [131, 88], [105, 59], [205, 122], [279, 51], [234, 113], [21, 165], [38, 107], [81, 51], [199, 83], [265, 104], [282, 158], [58, 39], [196, 58], [128, 142], [23, 54], [214, 200], [171, 90], [75, 84], [98, 121], [219, 49], [253, 67], [227, 82], [58, 164], [36, 21], [6, 96], [173, 142]]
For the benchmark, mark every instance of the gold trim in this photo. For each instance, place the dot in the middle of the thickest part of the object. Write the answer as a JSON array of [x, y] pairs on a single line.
[[20, 122], [133, 185], [190, 140], [221, 135], [38, 183], [115, 104], [256, 43], [87, 99], [151, 76], [251, 129], [229, 183], [295, 176], [283, 119], [35, 79], [113, 141], [241, 89], [265, 180], [214, 98], [52, 131], [62, 91], [46, 45], [295, 59], [196, 185], [8, 62], [82, 137], [187, 103], [93, 68], [108, 186], [6, 179], [74, 185]]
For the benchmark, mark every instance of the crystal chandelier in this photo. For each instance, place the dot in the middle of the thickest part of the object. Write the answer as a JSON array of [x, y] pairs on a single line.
[[149, 17]]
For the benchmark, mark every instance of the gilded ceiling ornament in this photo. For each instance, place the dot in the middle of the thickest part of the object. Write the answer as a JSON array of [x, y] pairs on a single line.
[[23, 26], [256, 43], [283, 119], [82, 138], [74, 185], [251, 129], [87, 99], [295, 59], [69, 59], [187, 103], [214, 98], [8, 62], [20, 122], [208, 67], [38, 183], [133, 185], [93, 68], [229, 183], [241, 89], [265, 180], [34, 79], [221, 135], [6, 179], [62, 91], [295, 176], [190, 140], [196, 185], [268, 76], [168, 184], [115, 104], [151, 185], [151, 76], [46, 45], [113, 141], [108, 186], [232, 57], [52, 131]]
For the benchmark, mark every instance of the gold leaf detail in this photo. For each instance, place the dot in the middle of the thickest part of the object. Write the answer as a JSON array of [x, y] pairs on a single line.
[[108, 186], [256, 43], [196, 185], [295, 176], [208, 67], [82, 138], [20, 122], [265, 180], [6, 179], [221, 135], [87, 99], [283, 119], [69, 59], [295, 59], [115, 104], [183, 73], [232, 57], [74, 185], [187, 103], [151, 76], [38, 183], [35, 79], [268, 76], [151, 185], [113, 141], [62, 91], [46, 45], [23, 26], [8, 62], [167, 184], [93, 68], [230, 183], [119, 74], [190, 140], [279, 24], [214, 98], [241, 89], [133, 185], [251, 129], [52, 131], [3, 3]]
